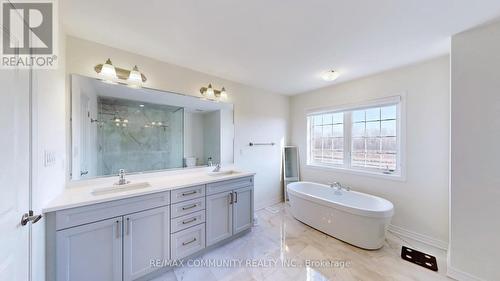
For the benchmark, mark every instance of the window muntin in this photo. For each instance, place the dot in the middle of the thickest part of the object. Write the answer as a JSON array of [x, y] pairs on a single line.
[[374, 138], [327, 138], [360, 139]]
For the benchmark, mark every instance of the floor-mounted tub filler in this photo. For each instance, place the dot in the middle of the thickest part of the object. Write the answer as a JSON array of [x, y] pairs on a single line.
[[357, 218]]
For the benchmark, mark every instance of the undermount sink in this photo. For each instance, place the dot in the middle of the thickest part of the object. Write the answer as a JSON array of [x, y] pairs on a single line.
[[120, 188], [221, 173]]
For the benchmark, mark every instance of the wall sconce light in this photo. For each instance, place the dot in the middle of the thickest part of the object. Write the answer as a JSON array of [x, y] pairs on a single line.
[[111, 74], [213, 94], [134, 79], [108, 72]]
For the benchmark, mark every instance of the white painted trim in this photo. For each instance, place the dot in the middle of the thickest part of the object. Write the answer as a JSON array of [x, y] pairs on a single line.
[[356, 106], [398, 100], [430, 241], [358, 172], [460, 275]]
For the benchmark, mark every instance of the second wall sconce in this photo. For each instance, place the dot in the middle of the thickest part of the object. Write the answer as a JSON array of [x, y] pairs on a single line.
[[109, 73], [213, 94]]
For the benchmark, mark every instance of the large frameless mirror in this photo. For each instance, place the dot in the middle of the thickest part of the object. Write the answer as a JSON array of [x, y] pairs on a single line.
[[139, 130]]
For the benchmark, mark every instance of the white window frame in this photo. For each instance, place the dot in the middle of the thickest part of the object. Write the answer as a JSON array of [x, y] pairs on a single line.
[[400, 102]]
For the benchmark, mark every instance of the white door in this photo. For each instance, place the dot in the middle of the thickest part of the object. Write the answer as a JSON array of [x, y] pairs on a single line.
[[219, 225], [146, 237], [90, 252], [242, 209], [14, 174]]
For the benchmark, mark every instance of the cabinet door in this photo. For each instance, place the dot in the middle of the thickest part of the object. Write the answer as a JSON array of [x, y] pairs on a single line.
[[219, 218], [242, 209], [90, 252], [146, 237]]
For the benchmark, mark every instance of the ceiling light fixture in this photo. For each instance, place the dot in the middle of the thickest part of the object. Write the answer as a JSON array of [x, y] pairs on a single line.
[[214, 94], [111, 74], [330, 75]]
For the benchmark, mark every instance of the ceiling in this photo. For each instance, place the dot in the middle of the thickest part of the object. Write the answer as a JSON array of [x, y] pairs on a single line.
[[275, 45]]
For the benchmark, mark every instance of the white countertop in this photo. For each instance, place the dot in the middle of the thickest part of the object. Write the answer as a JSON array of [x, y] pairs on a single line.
[[79, 194]]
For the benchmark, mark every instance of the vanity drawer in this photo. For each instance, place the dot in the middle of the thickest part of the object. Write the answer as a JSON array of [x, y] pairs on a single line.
[[187, 242], [96, 212], [187, 207], [187, 221], [187, 193], [223, 186]]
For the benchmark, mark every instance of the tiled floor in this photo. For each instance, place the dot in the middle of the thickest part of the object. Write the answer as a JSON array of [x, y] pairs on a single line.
[[279, 237]]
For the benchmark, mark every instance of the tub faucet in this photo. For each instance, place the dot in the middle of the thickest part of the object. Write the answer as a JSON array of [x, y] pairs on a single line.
[[121, 178], [338, 186]]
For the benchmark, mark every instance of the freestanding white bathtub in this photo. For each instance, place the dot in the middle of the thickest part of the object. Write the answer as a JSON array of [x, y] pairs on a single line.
[[356, 218]]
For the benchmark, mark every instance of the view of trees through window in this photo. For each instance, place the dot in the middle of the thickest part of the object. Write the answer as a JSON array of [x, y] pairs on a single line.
[[370, 135], [327, 138], [374, 140]]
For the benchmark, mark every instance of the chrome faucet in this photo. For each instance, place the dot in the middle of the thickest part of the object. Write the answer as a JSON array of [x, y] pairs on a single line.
[[121, 178], [217, 168], [338, 186]]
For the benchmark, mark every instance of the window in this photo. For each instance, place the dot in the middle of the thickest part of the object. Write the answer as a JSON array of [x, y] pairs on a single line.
[[327, 138], [365, 138]]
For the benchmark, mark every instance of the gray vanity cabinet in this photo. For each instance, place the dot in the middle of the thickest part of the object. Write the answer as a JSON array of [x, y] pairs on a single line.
[[117, 240], [146, 236], [219, 217], [110, 241], [242, 209], [97, 251], [229, 209], [90, 252]]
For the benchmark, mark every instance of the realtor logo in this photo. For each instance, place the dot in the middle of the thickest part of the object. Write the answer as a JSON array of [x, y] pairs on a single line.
[[28, 38]]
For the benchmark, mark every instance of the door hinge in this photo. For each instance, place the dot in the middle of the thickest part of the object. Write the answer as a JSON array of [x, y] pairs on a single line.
[[30, 217]]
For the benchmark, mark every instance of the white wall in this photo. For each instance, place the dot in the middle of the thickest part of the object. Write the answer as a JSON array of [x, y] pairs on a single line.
[[258, 115], [50, 131], [475, 135], [420, 201]]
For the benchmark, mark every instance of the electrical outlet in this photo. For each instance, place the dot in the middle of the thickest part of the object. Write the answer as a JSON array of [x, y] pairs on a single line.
[[49, 158]]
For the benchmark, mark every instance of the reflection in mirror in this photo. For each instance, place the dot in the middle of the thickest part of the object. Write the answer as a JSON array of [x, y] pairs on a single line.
[[137, 136], [116, 127]]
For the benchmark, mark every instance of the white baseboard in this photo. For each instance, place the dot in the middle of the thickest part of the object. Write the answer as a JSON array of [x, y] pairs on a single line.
[[436, 243], [460, 275]]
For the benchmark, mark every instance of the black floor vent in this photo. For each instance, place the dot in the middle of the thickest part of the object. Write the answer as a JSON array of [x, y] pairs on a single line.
[[419, 258]]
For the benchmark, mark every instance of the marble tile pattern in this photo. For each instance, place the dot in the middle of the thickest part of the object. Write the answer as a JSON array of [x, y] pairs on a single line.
[[145, 138], [278, 236]]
